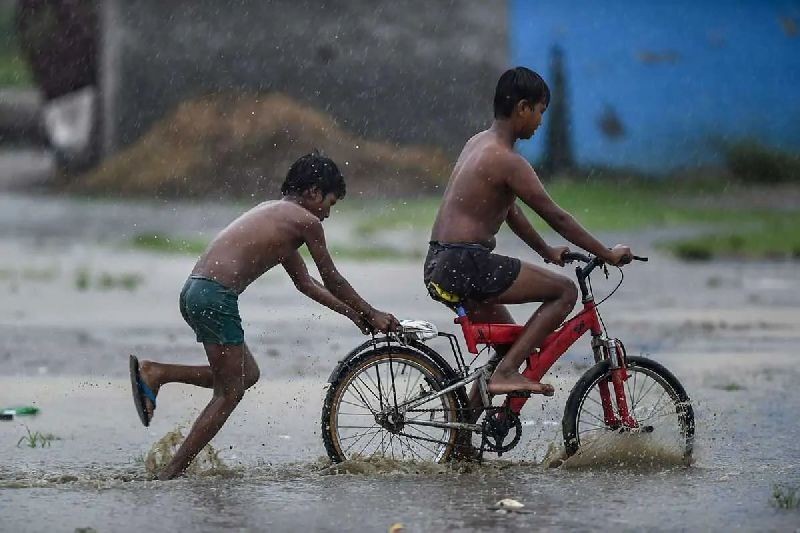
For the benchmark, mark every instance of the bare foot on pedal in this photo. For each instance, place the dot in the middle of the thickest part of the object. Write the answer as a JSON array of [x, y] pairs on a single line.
[[502, 383]]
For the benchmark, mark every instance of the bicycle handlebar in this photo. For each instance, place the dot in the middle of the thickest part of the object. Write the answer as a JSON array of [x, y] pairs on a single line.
[[569, 257], [591, 264]]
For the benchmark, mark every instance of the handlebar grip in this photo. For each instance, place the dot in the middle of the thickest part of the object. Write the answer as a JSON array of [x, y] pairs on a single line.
[[640, 258], [568, 257]]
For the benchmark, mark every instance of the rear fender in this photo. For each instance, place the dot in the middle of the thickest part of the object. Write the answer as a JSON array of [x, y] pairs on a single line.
[[379, 342]]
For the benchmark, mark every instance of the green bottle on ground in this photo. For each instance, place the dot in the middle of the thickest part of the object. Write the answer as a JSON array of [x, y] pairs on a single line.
[[20, 410]]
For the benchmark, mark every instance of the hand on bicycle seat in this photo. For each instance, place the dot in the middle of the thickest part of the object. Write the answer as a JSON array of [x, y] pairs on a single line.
[[383, 322], [362, 324]]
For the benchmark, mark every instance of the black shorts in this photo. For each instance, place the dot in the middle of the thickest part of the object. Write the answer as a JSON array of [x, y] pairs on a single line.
[[470, 271]]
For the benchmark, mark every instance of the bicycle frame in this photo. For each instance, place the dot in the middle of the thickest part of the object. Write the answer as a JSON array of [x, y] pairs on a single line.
[[554, 346], [541, 360]]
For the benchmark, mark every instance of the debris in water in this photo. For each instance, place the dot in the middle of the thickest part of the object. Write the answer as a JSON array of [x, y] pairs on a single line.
[[207, 461], [508, 503], [397, 528]]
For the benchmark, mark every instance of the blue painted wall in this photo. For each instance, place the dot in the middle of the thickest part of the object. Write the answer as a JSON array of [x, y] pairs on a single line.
[[679, 76]]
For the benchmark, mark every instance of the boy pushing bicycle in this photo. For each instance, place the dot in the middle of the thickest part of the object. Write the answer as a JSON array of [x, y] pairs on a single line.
[[263, 237]]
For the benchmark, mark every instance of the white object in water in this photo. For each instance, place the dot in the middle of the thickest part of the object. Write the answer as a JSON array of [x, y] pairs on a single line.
[[419, 330], [508, 503]]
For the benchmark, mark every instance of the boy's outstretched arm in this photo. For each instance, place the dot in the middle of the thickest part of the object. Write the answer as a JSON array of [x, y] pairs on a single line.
[[523, 229], [524, 182], [338, 286], [305, 283]]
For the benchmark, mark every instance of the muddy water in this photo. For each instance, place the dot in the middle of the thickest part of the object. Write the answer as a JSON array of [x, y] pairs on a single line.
[[728, 331]]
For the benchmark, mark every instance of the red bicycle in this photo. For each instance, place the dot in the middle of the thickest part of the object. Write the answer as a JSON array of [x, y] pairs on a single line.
[[395, 396]]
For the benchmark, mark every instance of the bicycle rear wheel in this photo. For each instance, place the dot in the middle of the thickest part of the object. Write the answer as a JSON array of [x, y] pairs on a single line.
[[656, 400], [360, 417]]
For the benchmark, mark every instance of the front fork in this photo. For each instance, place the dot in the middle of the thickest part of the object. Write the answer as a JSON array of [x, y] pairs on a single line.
[[614, 351]]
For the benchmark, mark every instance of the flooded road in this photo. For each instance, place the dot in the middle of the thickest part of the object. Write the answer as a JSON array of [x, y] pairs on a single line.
[[727, 330]]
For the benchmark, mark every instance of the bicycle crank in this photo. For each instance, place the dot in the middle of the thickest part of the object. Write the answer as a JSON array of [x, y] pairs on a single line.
[[496, 434]]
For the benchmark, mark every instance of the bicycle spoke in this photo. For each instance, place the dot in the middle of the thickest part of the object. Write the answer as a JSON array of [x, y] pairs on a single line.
[[394, 388], [417, 428], [364, 383], [419, 439], [361, 436], [596, 425], [630, 396], [368, 443], [367, 407], [596, 428], [413, 452], [414, 386], [595, 417], [380, 387], [408, 382], [658, 402], [648, 390], [595, 401], [655, 413]]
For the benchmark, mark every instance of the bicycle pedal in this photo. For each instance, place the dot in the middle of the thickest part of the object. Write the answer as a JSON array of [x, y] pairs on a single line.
[[519, 394]]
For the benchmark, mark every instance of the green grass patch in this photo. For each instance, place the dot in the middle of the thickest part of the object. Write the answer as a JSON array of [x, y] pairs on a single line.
[[85, 280], [14, 70], [597, 205], [168, 244], [414, 214], [730, 387], [785, 497], [36, 439], [755, 235], [628, 205]]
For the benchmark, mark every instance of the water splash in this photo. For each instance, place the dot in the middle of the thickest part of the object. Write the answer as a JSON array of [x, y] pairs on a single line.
[[163, 450], [632, 451]]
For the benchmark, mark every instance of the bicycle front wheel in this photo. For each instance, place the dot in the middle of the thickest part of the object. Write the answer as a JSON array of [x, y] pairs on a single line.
[[363, 415], [656, 400]]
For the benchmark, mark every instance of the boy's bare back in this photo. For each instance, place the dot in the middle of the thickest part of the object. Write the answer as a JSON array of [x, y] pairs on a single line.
[[477, 199], [255, 242]]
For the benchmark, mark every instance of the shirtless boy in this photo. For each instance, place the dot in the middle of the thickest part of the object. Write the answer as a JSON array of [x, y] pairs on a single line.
[[258, 240], [487, 179]]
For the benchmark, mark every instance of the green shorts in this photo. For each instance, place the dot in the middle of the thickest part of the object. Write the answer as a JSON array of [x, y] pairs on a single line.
[[212, 311]]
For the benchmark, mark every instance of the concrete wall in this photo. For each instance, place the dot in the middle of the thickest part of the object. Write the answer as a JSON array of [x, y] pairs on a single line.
[[659, 85], [408, 71]]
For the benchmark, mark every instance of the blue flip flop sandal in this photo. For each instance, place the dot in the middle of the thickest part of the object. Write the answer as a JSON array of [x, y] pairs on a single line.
[[140, 392]]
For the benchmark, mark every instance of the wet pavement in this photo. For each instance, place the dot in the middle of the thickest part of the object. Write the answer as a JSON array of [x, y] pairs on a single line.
[[727, 330]]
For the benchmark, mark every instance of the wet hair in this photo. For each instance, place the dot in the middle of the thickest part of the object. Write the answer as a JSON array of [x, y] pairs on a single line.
[[517, 84], [314, 170]]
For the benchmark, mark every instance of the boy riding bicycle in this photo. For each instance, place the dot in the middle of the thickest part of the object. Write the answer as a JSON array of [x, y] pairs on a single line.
[[258, 240], [487, 179]]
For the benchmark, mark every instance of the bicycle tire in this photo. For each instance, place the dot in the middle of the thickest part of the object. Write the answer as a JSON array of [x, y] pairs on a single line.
[[658, 373], [437, 375]]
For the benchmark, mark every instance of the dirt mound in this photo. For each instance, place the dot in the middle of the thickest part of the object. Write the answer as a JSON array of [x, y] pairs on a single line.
[[238, 145]]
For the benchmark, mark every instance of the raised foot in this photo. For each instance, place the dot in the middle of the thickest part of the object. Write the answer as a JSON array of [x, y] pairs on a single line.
[[147, 373], [517, 384]]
